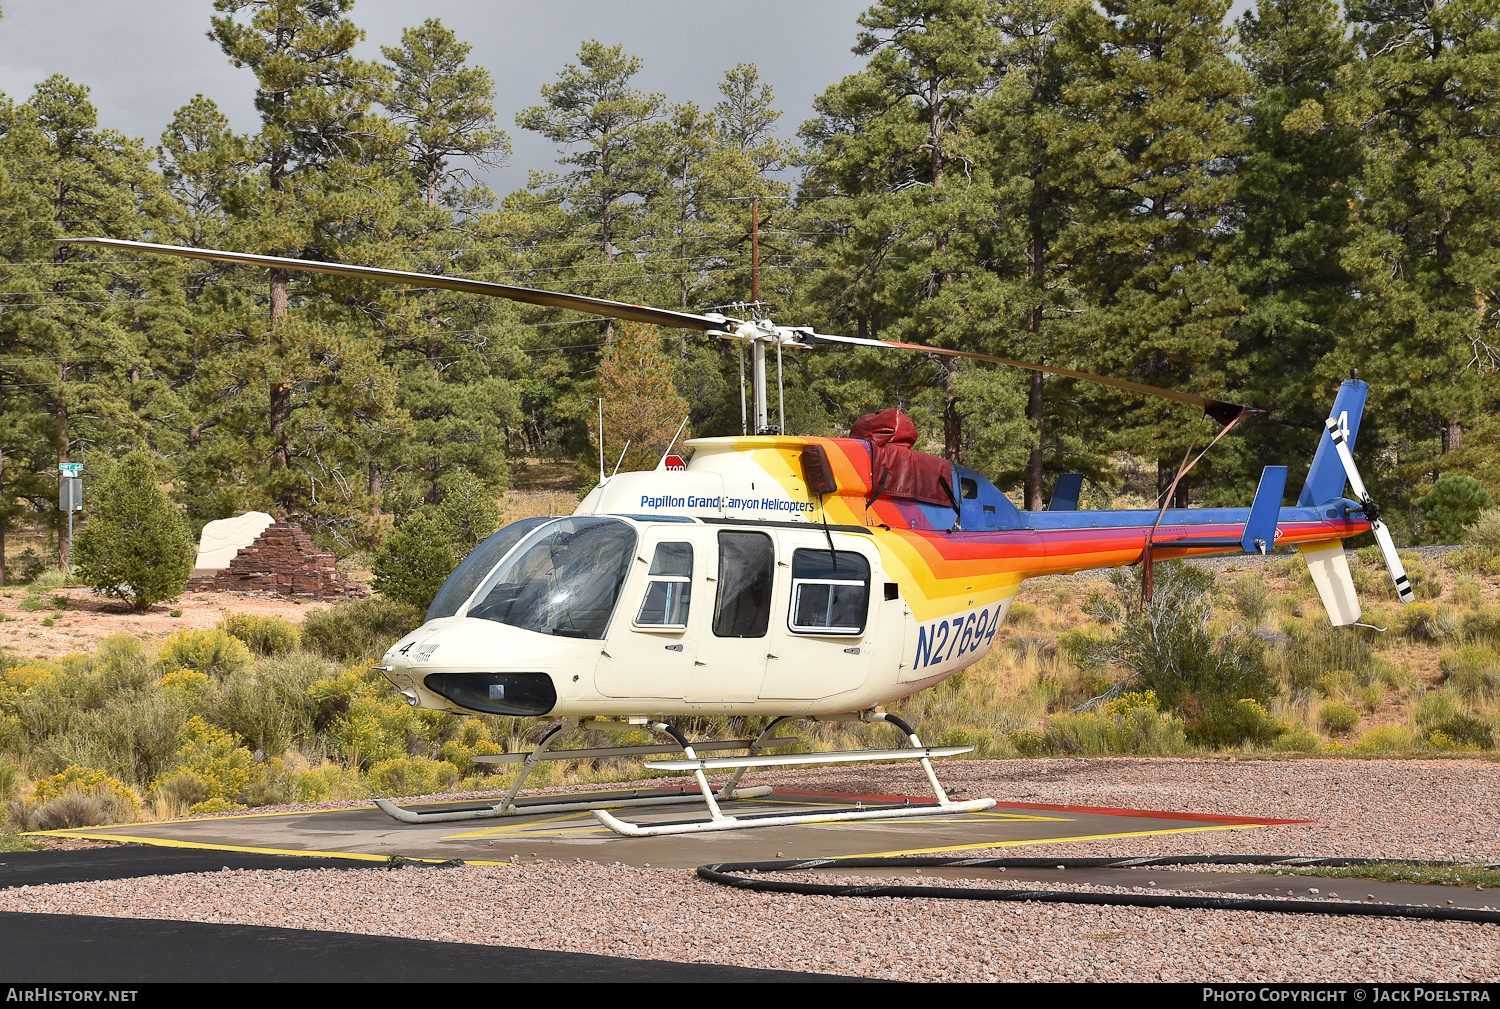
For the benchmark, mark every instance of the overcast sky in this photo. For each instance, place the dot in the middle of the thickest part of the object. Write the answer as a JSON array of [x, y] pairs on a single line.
[[143, 59]]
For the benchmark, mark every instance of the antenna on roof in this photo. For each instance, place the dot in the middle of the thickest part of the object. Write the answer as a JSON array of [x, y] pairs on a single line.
[[668, 452]]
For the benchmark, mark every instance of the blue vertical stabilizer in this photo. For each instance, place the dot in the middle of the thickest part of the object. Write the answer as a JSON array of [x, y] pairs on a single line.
[[1326, 479]]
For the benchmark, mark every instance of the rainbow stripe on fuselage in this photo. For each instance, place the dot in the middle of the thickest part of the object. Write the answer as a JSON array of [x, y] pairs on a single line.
[[949, 561]]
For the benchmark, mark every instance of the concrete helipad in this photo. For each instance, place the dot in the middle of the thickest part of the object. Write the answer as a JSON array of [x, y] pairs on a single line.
[[364, 832]]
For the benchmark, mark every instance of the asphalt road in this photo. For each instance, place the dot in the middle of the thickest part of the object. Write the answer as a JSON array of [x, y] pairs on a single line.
[[81, 949]]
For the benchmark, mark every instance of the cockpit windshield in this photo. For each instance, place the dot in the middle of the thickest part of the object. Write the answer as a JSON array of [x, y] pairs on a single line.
[[461, 583], [563, 579]]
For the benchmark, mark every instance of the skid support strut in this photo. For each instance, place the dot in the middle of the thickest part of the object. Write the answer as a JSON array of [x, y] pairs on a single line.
[[717, 820]]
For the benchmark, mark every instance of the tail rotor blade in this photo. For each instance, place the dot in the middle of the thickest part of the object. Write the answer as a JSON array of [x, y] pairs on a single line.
[[1341, 446], [1382, 534], [1393, 561]]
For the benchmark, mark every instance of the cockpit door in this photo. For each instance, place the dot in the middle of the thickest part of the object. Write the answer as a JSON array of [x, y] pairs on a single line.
[[654, 638]]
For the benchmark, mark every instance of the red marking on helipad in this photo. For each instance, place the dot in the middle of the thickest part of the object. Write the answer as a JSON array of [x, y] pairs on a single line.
[[1144, 814], [1149, 814]]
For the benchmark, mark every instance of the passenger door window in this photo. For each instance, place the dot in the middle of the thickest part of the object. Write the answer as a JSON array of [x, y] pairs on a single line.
[[669, 590], [830, 592]]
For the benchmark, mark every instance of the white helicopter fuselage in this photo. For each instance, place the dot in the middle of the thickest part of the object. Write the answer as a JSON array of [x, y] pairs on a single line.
[[809, 637]]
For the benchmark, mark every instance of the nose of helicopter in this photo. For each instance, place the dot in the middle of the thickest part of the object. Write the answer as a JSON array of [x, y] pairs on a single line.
[[474, 665]]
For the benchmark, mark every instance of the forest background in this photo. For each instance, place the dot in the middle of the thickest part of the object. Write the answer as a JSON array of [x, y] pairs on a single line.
[[1243, 209]]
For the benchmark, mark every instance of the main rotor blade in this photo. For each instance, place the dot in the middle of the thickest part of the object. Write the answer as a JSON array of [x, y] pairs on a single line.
[[552, 299], [1382, 534], [1219, 410]]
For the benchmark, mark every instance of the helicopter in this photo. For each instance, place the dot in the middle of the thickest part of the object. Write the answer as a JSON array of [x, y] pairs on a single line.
[[802, 578]]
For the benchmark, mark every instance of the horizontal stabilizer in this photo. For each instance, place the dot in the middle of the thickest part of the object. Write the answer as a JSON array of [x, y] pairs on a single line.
[[1065, 493], [1330, 573]]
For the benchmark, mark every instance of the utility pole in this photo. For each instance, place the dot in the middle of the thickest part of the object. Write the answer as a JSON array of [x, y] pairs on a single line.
[[755, 250]]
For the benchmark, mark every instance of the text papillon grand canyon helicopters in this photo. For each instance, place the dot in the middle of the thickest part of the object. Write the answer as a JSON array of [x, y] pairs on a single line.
[[800, 578]]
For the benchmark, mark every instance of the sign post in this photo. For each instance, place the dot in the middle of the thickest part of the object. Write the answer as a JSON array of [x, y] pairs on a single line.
[[69, 497]]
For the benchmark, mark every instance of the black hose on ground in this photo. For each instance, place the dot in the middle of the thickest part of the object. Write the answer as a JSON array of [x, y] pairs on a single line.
[[723, 873]]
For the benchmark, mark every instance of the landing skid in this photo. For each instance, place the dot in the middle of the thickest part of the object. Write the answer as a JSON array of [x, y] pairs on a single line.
[[717, 820], [507, 805], [943, 806], [564, 806]]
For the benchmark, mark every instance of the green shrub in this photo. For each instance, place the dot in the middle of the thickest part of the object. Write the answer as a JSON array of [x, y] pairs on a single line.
[[1465, 731], [268, 704], [49, 579], [1242, 723], [88, 780], [141, 734], [29, 566], [1139, 731], [226, 769], [1387, 739], [1337, 718], [1485, 532], [467, 514], [1251, 599], [414, 562], [182, 788], [1473, 672], [136, 545], [1454, 503], [1436, 706], [326, 782], [76, 808], [1468, 594], [1297, 741], [10, 779], [365, 628], [411, 775], [213, 652], [122, 664], [263, 635], [1482, 625], [1426, 622], [1321, 650], [1169, 647]]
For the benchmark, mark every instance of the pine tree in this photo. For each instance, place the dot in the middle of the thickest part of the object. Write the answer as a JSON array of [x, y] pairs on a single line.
[[322, 189], [611, 135], [75, 363], [1297, 186], [1023, 292], [641, 405], [451, 351], [1426, 259], [891, 152], [1158, 105], [446, 107]]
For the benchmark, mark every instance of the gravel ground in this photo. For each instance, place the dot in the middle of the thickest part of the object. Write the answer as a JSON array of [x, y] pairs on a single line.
[[1418, 809]]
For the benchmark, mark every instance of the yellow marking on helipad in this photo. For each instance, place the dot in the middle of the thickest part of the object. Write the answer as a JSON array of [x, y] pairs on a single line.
[[167, 842], [973, 846]]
